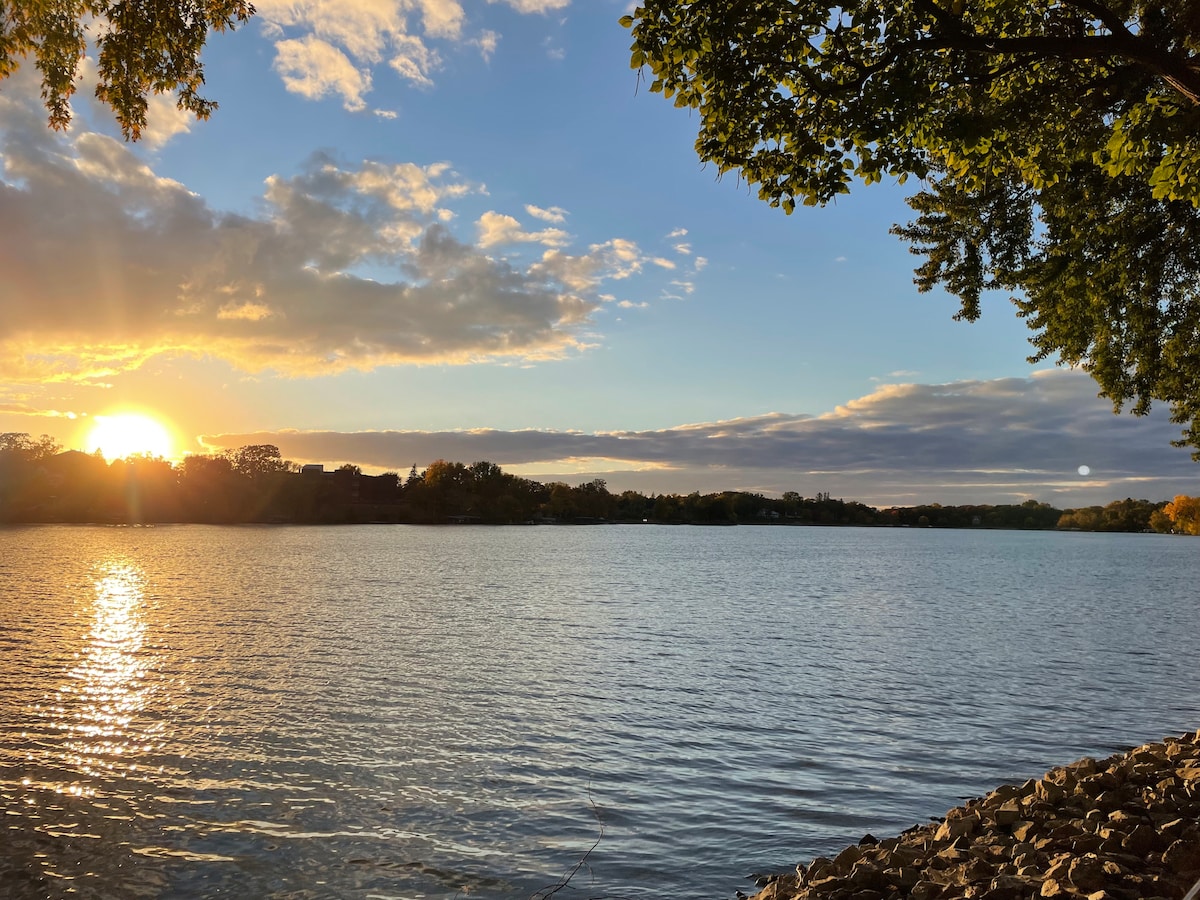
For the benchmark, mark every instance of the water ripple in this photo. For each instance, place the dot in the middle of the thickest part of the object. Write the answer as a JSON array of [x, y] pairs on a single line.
[[420, 712]]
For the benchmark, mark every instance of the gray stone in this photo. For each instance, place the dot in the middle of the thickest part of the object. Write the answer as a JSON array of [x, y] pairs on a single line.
[[1142, 839], [827, 885], [847, 858], [1023, 831], [925, 890], [1183, 856], [953, 829], [977, 871], [1009, 882], [1086, 873], [1174, 829], [1094, 830], [1008, 813], [1051, 888]]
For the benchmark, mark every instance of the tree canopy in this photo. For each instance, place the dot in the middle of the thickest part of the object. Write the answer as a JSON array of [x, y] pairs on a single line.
[[1058, 142], [1184, 513], [142, 47]]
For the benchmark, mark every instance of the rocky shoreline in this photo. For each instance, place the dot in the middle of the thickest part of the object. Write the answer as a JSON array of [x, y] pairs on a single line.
[[1122, 828]]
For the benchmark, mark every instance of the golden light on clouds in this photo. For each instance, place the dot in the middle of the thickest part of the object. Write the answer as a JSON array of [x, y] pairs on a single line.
[[128, 433]]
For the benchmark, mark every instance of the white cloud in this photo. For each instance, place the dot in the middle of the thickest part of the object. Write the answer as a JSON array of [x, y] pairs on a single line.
[[165, 120], [314, 68], [677, 233], [534, 6], [616, 259], [487, 42], [972, 441], [367, 30], [495, 229], [413, 60], [555, 214], [683, 249], [345, 266], [700, 263], [332, 47], [442, 18]]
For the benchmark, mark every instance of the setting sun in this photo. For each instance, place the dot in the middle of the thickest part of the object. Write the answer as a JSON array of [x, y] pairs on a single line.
[[126, 434]]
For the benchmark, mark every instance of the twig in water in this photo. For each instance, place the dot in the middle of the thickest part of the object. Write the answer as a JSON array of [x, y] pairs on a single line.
[[547, 892]]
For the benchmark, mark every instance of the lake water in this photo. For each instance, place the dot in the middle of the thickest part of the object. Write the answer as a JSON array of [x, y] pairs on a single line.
[[404, 712]]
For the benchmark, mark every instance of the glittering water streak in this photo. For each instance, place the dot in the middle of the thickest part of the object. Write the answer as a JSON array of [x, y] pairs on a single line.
[[82, 743], [98, 709]]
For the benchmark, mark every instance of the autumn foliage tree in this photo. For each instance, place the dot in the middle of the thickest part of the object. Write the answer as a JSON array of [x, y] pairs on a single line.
[[1058, 142], [141, 47], [1184, 513]]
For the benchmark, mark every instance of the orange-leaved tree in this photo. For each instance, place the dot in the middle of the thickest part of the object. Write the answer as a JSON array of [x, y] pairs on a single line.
[[1184, 512]]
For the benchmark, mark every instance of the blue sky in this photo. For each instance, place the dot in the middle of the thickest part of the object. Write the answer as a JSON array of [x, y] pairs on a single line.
[[422, 228]]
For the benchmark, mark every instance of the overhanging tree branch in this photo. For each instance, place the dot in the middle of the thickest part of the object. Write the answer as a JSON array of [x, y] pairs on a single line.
[[1059, 138]]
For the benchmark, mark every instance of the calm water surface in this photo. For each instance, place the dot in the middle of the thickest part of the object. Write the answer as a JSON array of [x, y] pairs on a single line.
[[404, 712]]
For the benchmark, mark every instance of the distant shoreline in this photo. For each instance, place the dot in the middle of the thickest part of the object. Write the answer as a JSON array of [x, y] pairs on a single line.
[[255, 485]]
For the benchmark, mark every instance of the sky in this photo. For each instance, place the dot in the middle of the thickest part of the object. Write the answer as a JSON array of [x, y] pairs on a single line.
[[421, 229]]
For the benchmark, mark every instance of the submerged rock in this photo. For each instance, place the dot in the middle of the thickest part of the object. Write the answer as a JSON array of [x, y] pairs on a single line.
[[1122, 828]]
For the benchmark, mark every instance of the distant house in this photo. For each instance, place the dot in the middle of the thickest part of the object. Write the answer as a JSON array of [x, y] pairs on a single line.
[[312, 469]]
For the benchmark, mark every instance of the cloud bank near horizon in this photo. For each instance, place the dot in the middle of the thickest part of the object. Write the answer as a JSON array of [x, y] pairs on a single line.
[[994, 441]]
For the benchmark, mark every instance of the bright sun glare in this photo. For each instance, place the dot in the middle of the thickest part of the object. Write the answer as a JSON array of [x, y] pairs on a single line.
[[126, 434]]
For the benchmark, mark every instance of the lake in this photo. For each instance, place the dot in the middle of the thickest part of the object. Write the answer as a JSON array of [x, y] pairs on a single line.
[[424, 712]]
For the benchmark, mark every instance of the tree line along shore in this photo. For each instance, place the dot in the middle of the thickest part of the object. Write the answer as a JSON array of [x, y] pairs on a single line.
[[41, 483]]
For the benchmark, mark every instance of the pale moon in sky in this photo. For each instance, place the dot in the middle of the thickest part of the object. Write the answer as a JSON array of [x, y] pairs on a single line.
[[1084, 470]]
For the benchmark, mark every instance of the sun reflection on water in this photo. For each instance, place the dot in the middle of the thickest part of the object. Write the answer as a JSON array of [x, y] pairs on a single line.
[[99, 710]]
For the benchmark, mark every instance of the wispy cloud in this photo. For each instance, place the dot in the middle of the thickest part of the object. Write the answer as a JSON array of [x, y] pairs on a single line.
[[555, 214], [980, 441], [495, 229], [897, 374], [535, 6], [25, 409], [616, 259], [487, 42]]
